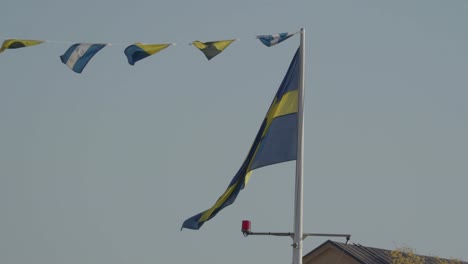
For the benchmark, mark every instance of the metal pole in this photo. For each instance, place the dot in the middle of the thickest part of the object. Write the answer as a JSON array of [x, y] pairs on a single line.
[[298, 201]]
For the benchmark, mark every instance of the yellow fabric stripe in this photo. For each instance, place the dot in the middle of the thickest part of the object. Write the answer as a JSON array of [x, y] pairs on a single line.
[[218, 203], [247, 176], [287, 105], [199, 44], [221, 45], [223, 198], [152, 48]]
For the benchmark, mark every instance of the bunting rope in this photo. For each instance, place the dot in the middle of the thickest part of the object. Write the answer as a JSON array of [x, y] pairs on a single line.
[[73, 42], [77, 56]]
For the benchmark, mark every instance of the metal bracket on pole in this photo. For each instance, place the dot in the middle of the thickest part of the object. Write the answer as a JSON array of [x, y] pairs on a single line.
[[347, 236], [249, 233], [304, 235]]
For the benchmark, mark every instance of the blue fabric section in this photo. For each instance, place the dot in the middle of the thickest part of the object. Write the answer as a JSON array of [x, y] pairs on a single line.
[[266, 41], [134, 54], [67, 54], [279, 143], [16, 45], [83, 60], [291, 80], [210, 51], [193, 222]]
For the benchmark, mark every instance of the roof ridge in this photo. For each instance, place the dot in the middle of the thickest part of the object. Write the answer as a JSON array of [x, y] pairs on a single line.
[[343, 248]]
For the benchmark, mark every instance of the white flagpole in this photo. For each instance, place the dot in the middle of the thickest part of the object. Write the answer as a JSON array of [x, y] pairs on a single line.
[[298, 201], [298, 235]]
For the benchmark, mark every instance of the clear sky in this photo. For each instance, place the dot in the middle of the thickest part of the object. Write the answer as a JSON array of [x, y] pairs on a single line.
[[104, 166]]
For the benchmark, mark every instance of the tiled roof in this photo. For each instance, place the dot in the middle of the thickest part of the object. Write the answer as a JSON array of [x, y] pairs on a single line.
[[370, 255]]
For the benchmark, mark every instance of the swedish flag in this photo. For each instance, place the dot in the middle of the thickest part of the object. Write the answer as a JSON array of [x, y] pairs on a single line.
[[18, 43], [212, 48], [276, 142], [139, 51]]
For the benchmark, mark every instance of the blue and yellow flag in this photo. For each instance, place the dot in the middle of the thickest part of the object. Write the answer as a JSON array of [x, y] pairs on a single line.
[[271, 40], [212, 48], [139, 51], [18, 43], [276, 142]]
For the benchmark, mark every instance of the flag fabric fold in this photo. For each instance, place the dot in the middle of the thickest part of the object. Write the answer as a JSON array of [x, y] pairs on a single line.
[[18, 43], [139, 51], [79, 54], [276, 142], [212, 48], [271, 40]]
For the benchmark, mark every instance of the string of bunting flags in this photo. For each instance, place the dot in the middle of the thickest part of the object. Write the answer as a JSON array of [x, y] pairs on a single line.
[[276, 140], [78, 55]]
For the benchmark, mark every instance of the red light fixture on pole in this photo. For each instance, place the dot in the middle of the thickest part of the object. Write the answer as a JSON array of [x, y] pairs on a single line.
[[246, 227]]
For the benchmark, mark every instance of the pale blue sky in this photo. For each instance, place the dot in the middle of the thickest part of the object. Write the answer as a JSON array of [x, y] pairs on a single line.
[[104, 167]]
